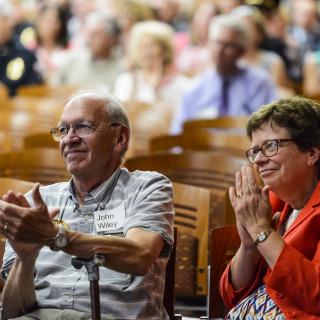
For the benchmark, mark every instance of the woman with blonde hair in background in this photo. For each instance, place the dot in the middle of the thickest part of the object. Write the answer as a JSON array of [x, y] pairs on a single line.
[[152, 79]]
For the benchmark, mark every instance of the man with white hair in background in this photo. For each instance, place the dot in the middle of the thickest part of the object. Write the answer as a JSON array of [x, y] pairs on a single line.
[[228, 88], [97, 64]]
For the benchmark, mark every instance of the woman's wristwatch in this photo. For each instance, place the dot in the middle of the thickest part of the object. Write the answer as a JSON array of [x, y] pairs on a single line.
[[262, 236]]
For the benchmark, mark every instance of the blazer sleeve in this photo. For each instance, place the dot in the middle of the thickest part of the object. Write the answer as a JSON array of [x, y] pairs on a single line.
[[232, 297], [297, 278]]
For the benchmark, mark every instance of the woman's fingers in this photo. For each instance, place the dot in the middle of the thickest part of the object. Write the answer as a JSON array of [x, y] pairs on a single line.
[[238, 185]]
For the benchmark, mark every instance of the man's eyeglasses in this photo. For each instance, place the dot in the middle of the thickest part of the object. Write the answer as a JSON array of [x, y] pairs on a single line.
[[81, 129], [269, 149]]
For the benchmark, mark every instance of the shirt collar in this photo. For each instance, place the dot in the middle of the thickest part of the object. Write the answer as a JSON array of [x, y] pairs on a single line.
[[98, 194]]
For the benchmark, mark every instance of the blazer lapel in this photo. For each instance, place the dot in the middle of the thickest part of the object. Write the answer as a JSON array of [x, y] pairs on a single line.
[[308, 209]]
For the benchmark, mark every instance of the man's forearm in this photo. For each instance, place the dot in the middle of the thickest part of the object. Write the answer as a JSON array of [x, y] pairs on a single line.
[[18, 295]]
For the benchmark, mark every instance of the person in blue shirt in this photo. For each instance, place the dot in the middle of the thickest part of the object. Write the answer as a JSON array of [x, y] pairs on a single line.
[[229, 88]]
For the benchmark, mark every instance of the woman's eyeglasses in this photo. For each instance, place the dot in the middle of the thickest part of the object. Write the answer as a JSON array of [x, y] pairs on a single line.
[[269, 149]]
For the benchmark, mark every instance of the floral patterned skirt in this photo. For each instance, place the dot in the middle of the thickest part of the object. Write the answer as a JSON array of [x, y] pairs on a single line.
[[258, 306]]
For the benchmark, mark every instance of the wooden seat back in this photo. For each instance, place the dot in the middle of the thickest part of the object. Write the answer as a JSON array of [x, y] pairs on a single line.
[[45, 90], [221, 123], [16, 124], [192, 206], [205, 169], [15, 185], [147, 121], [204, 140], [40, 140], [225, 242], [43, 165]]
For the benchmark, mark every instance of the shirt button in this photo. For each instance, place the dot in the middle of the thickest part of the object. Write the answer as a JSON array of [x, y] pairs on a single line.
[[291, 314], [278, 295]]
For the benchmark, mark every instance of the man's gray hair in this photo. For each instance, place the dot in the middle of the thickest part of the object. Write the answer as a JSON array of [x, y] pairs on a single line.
[[111, 26], [230, 22], [114, 109]]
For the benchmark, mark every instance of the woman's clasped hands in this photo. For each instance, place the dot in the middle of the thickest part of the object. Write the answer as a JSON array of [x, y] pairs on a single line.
[[251, 205]]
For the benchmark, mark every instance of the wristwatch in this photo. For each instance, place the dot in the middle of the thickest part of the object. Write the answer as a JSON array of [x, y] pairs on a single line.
[[262, 236], [61, 240], [100, 259]]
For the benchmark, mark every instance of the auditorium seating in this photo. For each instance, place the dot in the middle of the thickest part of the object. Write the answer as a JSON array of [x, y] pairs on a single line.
[[205, 169], [40, 140], [201, 140], [225, 242], [43, 165], [217, 123], [192, 205]]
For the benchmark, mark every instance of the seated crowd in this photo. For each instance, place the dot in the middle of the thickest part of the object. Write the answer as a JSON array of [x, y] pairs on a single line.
[[146, 67]]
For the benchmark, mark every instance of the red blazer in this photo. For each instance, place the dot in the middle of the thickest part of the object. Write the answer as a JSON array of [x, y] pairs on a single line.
[[294, 282]]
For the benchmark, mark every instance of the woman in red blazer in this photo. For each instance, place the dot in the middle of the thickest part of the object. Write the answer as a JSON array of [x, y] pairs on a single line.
[[276, 271]]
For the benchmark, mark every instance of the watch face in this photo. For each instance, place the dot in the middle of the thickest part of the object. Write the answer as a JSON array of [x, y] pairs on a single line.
[[262, 236], [61, 240]]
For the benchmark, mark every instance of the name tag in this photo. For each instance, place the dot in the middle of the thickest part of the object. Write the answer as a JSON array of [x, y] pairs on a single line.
[[109, 220]]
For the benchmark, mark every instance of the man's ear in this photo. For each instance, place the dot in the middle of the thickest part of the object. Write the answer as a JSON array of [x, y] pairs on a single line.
[[123, 138]]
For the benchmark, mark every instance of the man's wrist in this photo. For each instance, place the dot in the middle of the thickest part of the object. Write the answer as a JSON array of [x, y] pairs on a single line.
[[60, 240], [30, 257]]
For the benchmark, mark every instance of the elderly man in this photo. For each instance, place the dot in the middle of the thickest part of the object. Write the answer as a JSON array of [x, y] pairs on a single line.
[[97, 64], [126, 218], [227, 89]]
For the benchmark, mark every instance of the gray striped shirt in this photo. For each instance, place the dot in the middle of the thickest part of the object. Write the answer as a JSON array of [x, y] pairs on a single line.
[[148, 204]]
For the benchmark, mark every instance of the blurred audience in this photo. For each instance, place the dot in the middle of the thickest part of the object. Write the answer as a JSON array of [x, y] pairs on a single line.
[[80, 9], [303, 31], [128, 13], [311, 75], [226, 6], [229, 88], [17, 64], [97, 65], [195, 57], [153, 78], [169, 11], [277, 38], [254, 55], [22, 18], [305, 28], [52, 39], [283, 38]]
